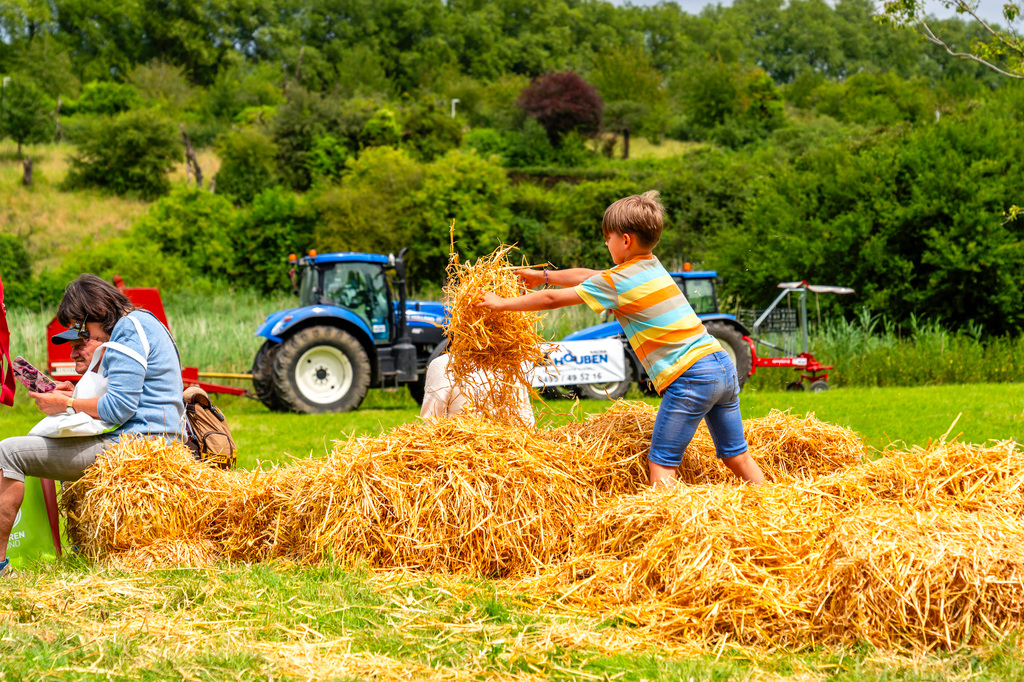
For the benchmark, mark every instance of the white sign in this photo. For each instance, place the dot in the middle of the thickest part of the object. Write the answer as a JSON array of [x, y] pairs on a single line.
[[582, 362]]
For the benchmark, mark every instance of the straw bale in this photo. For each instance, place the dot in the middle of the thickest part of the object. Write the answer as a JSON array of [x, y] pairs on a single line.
[[141, 490], [919, 549], [492, 353], [878, 552], [899, 578], [248, 522], [699, 563], [786, 447], [801, 448], [462, 494], [165, 552], [616, 442]]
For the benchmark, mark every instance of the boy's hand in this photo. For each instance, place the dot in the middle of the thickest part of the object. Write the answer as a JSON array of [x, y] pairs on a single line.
[[488, 300], [531, 278]]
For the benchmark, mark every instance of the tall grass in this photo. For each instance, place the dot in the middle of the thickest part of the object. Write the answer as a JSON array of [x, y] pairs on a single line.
[[873, 350]]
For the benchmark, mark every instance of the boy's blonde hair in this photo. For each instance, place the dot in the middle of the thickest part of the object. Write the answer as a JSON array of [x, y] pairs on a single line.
[[641, 215]]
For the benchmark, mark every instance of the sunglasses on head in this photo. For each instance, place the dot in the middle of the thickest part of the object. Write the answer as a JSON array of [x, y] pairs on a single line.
[[80, 329]]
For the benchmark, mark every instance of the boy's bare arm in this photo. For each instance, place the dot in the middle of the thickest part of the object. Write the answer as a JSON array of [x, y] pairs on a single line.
[[559, 278], [548, 299]]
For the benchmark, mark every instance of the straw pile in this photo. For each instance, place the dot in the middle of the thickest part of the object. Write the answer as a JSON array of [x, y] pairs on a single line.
[[787, 448], [461, 494], [142, 492], [492, 353], [883, 552], [919, 549]]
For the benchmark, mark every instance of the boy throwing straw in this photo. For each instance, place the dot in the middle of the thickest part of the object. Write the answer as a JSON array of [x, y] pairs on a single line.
[[690, 370]]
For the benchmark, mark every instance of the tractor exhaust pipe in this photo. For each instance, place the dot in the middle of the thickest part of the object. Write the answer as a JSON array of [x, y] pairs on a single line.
[[404, 351]]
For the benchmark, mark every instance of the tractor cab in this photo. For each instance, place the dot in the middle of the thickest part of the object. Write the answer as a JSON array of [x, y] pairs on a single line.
[[359, 282], [699, 289]]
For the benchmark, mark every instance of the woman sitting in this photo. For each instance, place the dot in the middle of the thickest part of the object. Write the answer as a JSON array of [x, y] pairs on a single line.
[[143, 396]]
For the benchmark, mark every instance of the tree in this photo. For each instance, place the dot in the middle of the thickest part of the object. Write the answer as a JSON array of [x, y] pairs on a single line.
[[631, 89], [1003, 52], [23, 113], [464, 188], [130, 153], [562, 102], [277, 223], [194, 225], [430, 131], [105, 98], [365, 210], [623, 117], [246, 164]]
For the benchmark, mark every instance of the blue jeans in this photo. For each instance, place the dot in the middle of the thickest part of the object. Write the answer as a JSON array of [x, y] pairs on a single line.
[[709, 391]]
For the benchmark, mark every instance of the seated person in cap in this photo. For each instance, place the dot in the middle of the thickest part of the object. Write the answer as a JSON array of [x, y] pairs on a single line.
[[143, 393], [82, 348]]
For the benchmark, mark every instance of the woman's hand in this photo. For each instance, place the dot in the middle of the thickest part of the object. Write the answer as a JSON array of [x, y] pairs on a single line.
[[66, 387], [53, 402]]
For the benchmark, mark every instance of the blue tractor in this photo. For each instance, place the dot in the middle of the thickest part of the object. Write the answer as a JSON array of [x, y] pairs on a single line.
[[353, 330], [699, 288]]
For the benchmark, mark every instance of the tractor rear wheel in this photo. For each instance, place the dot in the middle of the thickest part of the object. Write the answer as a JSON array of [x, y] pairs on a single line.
[[321, 369], [734, 344], [263, 376]]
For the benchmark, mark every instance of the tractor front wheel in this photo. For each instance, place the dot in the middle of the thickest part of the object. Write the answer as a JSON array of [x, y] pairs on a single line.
[[321, 369], [735, 345]]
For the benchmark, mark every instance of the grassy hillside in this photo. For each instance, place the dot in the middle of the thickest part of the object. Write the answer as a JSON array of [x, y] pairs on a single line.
[[56, 221]]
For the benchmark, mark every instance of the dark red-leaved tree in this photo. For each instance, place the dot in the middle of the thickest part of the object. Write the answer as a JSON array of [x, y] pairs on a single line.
[[562, 102]]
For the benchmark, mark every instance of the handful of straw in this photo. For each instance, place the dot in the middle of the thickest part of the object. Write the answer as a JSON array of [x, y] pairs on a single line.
[[491, 353]]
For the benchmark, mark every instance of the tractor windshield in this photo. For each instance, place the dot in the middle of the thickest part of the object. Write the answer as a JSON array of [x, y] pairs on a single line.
[[701, 295], [363, 289]]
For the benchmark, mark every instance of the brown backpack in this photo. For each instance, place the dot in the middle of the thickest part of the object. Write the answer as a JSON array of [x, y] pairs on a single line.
[[209, 437]]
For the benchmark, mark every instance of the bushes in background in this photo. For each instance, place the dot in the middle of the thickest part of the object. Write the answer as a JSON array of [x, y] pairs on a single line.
[[130, 153]]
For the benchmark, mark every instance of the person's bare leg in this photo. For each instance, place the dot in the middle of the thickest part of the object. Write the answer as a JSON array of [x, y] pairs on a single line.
[[745, 467], [661, 476], [12, 492]]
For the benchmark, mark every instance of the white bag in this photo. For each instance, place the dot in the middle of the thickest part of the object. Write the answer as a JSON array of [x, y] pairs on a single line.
[[91, 385]]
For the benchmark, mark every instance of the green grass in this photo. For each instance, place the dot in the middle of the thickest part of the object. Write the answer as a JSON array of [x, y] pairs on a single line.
[[74, 621]]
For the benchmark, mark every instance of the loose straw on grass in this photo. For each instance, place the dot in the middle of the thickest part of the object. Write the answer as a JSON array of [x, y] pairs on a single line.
[[492, 353]]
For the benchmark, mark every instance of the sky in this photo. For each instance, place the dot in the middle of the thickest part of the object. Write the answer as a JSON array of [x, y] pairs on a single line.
[[989, 10]]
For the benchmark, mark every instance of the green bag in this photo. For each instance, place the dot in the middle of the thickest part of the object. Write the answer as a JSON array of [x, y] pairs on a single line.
[[36, 532]]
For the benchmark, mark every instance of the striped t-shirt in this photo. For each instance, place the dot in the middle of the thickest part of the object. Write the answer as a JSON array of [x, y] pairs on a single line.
[[659, 322]]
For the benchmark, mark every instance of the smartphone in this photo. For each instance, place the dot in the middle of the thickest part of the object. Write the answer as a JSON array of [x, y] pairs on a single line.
[[33, 379]]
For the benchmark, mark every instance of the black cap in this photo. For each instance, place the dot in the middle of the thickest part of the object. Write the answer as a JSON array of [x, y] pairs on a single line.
[[64, 337]]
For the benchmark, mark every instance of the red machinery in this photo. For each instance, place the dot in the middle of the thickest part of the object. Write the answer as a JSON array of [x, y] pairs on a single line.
[[62, 368], [774, 330]]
